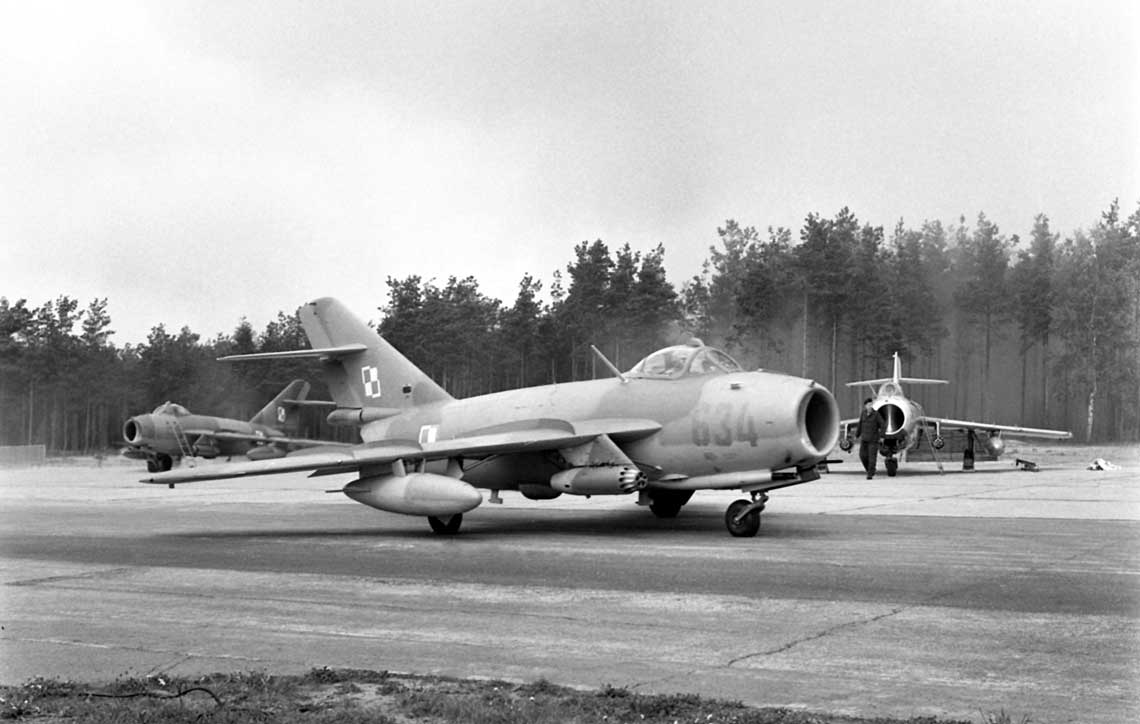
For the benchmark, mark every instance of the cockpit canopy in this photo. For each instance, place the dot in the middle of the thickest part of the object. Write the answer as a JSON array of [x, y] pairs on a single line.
[[171, 408], [890, 389], [684, 360]]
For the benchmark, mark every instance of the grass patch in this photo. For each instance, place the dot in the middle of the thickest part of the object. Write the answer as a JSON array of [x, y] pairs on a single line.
[[352, 695]]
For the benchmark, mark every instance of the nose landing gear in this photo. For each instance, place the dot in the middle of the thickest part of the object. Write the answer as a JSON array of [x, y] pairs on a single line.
[[742, 518]]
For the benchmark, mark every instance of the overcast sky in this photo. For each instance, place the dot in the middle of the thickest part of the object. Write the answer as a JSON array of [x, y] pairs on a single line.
[[197, 162]]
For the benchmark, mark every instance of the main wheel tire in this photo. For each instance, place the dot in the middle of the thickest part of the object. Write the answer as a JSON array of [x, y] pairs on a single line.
[[892, 467], [668, 503], [165, 463], [748, 526], [152, 466], [449, 526]]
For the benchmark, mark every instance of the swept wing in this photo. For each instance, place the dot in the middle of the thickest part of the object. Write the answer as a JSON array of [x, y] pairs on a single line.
[[991, 427], [326, 460]]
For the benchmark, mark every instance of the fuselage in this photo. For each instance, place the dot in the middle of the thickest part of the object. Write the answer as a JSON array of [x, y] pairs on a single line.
[[157, 434], [705, 424]]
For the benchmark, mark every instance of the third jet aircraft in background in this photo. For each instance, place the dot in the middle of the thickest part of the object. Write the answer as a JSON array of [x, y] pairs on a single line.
[[907, 424]]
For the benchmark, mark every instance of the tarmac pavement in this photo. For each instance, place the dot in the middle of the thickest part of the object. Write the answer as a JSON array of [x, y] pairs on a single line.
[[928, 594]]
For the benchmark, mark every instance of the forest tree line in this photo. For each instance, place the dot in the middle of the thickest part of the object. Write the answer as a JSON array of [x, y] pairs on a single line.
[[1038, 331]]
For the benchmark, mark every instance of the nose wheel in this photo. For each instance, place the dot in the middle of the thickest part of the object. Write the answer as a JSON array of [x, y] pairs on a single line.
[[742, 518]]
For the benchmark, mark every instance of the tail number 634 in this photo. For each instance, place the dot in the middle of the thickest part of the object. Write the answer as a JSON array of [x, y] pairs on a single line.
[[723, 424]]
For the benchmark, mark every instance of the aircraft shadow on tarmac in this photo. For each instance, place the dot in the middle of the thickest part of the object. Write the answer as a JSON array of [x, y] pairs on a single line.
[[928, 470], [698, 523]]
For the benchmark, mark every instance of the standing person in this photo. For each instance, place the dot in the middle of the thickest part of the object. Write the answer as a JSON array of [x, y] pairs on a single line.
[[869, 430]]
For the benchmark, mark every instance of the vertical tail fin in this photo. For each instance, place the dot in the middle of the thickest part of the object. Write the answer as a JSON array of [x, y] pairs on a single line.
[[913, 380], [376, 376], [280, 413]]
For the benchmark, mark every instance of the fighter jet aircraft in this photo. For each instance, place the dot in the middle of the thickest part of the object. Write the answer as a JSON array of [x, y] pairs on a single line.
[[907, 424], [171, 432], [685, 418]]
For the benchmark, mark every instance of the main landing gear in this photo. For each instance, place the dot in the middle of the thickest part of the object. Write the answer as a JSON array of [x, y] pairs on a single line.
[[446, 526], [160, 463], [668, 503]]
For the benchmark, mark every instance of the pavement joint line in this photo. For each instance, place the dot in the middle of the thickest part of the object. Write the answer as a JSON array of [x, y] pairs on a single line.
[[815, 637], [181, 657], [89, 575]]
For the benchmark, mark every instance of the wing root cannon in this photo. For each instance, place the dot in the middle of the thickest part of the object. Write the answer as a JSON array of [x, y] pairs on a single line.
[[600, 480]]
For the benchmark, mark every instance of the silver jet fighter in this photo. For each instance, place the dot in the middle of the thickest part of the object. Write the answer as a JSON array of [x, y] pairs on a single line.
[[904, 420], [685, 418]]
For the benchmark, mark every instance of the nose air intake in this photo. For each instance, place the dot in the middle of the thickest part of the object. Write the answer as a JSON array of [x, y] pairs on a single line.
[[819, 420], [894, 417], [132, 431]]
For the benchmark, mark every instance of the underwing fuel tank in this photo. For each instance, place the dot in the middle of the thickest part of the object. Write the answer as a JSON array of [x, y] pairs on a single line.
[[995, 445], [600, 480], [415, 494]]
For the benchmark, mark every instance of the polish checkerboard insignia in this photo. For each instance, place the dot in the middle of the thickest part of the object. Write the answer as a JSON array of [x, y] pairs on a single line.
[[370, 376]]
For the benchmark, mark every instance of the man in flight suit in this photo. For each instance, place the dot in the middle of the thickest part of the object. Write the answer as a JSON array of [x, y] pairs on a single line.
[[869, 430]]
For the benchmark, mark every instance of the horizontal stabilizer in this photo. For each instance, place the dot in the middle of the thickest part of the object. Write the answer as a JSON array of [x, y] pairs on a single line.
[[897, 378], [310, 403], [905, 380], [343, 350]]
